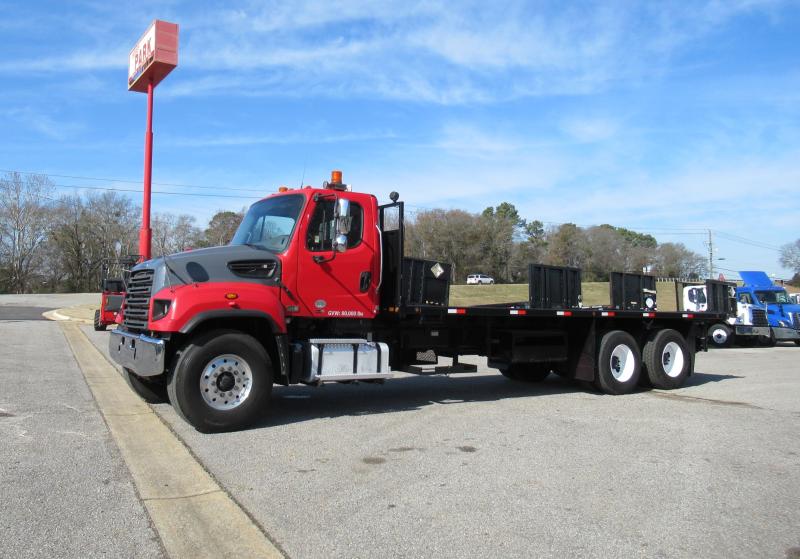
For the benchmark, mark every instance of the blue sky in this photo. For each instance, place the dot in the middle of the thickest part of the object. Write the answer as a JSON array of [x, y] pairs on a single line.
[[664, 117]]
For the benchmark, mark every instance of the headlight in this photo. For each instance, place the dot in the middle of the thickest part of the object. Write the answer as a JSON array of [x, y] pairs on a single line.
[[783, 323], [161, 308]]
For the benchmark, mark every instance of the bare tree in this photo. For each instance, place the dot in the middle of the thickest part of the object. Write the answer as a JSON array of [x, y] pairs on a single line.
[[452, 236], [173, 233], [85, 230], [675, 260], [24, 205], [790, 256]]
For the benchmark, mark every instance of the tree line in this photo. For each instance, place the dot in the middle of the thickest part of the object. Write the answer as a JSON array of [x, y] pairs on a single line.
[[52, 243], [500, 243]]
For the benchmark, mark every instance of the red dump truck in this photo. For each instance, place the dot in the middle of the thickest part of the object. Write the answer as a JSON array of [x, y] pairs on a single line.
[[315, 288]]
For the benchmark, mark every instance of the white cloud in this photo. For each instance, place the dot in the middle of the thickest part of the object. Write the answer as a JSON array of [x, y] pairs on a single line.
[[591, 129], [43, 123], [435, 52]]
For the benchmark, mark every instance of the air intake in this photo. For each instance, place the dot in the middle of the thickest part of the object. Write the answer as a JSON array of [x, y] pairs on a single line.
[[255, 269]]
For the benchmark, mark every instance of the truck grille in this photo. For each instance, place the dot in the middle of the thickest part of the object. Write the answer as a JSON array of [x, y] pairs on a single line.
[[137, 300], [760, 317]]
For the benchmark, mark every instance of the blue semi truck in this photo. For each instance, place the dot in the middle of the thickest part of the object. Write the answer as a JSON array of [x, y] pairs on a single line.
[[783, 314]]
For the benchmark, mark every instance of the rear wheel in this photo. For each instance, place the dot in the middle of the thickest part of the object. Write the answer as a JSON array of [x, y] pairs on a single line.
[[618, 363], [151, 391], [719, 335], [98, 323], [221, 381], [666, 359], [527, 372]]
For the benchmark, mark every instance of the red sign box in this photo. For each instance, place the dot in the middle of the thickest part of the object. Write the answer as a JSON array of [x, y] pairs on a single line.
[[154, 56]]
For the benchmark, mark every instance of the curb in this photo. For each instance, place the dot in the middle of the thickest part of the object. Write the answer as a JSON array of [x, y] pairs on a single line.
[[191, 513], [58, 316]]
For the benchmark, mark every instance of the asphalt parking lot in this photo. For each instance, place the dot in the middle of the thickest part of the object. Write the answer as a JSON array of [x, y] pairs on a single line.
[[460, 466]]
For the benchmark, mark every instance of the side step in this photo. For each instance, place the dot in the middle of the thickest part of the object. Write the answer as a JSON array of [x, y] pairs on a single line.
[[433, 369]]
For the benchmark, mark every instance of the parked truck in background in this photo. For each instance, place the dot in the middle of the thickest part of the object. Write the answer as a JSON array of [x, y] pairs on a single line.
[[315, 288], [783, 314], [746, 325]]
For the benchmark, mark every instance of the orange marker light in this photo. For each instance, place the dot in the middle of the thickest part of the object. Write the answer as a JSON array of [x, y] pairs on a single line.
[[283, 188], [336, 177], [231, 296]]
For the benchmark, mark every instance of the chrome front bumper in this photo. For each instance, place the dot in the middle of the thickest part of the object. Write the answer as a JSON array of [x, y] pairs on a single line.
[[141, 354], [744, 330], [783, 334]]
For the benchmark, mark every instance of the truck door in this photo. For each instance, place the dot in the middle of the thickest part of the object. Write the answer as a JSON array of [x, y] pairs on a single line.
[[335, 284]]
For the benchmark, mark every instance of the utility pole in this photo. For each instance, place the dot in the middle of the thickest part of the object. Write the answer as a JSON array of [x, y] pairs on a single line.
[[710, 254]]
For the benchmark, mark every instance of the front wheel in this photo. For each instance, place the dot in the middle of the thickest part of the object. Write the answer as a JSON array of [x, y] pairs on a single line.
[[618, 363], [720, 335], [221, 381], [768, 341], [152, 391], [98, 322]]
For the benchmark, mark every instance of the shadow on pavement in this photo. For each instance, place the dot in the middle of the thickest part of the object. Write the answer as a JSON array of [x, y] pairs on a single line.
[[698, 379], [296, 404]]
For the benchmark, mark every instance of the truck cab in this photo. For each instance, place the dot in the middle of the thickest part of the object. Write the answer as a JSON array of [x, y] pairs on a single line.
[[783, 314], [746, 327]]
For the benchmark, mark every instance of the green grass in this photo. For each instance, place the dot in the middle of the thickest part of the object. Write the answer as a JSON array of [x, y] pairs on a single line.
[[594, 293]]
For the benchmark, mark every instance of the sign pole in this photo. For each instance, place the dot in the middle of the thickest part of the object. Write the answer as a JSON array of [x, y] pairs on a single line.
[[154, 56], [146, 234]]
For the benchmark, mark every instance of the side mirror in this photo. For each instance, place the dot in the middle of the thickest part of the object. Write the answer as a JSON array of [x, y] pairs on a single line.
[[340, 243], [343, 219]]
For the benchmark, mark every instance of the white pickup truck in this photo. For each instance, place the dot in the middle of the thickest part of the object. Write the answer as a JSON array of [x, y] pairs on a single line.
[[746, 328]]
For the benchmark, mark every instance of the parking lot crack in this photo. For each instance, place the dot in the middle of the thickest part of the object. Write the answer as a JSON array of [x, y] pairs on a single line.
[[179, 497]]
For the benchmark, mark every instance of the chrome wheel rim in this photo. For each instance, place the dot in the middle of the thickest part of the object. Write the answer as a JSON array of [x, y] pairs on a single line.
[[226, 382], [622, 363], [672, 359], [720, 336]]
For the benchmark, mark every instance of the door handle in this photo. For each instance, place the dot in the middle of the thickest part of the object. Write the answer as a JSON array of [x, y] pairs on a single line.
[[366, 277]]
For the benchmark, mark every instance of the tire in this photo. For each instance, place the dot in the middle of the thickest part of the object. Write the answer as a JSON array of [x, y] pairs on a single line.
[[527, 372], [220, 381], [98, 324], [151, 391], [768, 341], [719, 335], [491, 282], [619, 363], [797, 342], [666, 360]]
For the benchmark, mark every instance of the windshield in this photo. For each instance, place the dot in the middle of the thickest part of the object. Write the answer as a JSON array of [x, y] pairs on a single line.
[[269, 223], [773, 297]]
